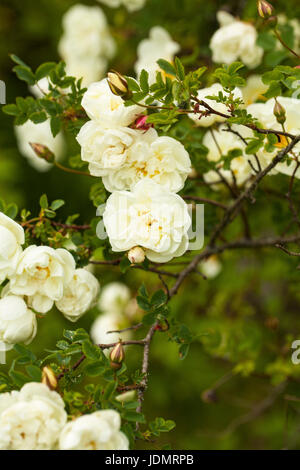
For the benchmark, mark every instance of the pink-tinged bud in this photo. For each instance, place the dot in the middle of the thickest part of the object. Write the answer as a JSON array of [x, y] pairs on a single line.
[[297, 67], [49, 378], [136, 255], [118, 84], [279, 112], [117, 355], [141, 123], [265, 9], [43, 152]]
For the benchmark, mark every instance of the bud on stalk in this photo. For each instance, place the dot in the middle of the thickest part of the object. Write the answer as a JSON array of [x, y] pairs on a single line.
[[279, 113], [265, 9], [49, 378], [43, 152], [117, 356], [118, 84], [136, 255]]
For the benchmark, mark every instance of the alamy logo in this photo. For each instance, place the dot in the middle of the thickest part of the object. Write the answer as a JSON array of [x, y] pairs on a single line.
[[2, 92], [296, 353]]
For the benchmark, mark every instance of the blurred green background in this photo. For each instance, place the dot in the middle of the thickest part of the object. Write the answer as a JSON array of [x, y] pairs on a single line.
[[246, 318]]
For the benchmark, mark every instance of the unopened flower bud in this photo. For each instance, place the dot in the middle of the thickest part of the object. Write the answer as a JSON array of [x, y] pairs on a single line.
[[136, 255], [279, 113], [118, 84], [117, 355], [141, 123], [265, 9], [49, 378], [43, 152], [126, 396], [209, 396]]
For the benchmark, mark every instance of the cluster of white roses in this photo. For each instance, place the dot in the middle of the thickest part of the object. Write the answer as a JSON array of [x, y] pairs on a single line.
[[34, 418], [86, 44], [131, 5], [38, 276], [142, 170], [220, 141]]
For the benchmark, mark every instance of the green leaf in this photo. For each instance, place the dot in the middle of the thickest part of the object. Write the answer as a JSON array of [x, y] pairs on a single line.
[[159, 298], [44, 70], [91, 351], [179, 69], [110, 389], [167, 67], [38, 117], [25, 73], [10, 109], [56, 125], [144, 81], [254, 146], [57, 204], [34, 372], [44, 201], [12, 210], [94, 369]]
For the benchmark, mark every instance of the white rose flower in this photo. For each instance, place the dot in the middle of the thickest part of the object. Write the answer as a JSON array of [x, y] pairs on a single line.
[[41, 274], [264, 113], [236, 40], [38, 134], [17, 323], [98, 431], [159, 45], [106, 150], [211, 267], [131, 5], [11, 238], [108, 109], [31, 419], [254, 90], [214, 90], [150, 217], [115, 297], [86, 34], [79, 295]]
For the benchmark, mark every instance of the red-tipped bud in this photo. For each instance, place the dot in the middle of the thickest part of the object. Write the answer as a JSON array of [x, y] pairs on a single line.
[[117, 355], [136, 255], [279, 112], [43, 152], [265, 9]]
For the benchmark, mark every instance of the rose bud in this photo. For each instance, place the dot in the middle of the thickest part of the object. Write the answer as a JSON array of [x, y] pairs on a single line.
[[118, 84], [279, 113], [49, 378], [117, 355], [136, 255], [43, 152], [265, 9]]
